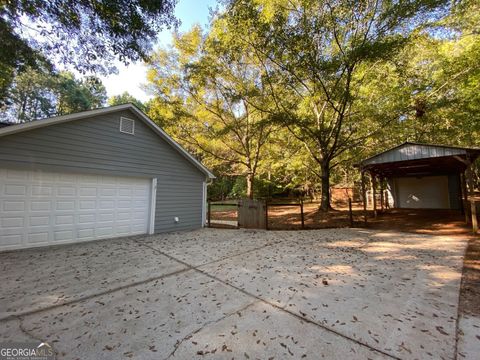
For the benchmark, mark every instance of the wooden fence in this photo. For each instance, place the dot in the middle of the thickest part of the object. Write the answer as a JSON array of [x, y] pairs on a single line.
[[300, 205], [252, 214], [209, 213]]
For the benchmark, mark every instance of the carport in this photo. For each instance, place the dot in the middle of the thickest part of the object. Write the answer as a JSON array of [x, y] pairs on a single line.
[[422, 176]]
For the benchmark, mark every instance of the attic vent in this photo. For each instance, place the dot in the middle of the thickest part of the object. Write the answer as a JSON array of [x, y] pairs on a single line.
[[127, 126]]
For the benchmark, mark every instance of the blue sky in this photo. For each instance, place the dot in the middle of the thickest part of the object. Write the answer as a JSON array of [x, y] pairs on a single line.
[[130, 78]]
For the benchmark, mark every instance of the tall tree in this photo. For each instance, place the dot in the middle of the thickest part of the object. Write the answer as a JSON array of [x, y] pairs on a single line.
[[319, 53], [39, 94], [86, 34], [212, 96], [125, 98]]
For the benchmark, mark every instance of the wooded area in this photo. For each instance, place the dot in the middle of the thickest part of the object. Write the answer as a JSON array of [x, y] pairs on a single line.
[[281, 97]]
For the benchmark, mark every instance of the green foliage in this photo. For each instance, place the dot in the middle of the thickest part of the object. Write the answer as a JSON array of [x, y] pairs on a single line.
[[317, 56], [239, 188], [126, 98], [39, 94], [332, 82], [89, 35], [209, 97]]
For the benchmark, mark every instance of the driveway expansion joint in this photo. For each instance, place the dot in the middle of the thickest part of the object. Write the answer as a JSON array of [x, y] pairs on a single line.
[[91, 296]]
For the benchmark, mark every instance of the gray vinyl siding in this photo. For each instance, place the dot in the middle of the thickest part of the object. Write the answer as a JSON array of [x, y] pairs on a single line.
[[95, 145]]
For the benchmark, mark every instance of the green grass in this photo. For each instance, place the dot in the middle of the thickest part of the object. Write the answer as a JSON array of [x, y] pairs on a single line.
[[223, 207]]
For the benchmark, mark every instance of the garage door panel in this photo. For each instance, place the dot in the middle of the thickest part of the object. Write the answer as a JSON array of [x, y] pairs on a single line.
[[39, 220], [124, 230], [63, 235], [84, 219], [429, 192], [14, 174], [48, 208], [107, 204], [64, 220], [42, 176], [85, 234], [42, 190], [87, 191], [106, 231], [108, 192], [106, 217], [13, 206], [15, 190], [125, 192], [140, 215], [87, 204], [38, 237], [40, 205], [65, 205], [11, 240], [12, 222], [66, 191]]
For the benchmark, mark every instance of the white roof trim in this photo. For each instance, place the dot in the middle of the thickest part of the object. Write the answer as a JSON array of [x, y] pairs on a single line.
[[13, 129]]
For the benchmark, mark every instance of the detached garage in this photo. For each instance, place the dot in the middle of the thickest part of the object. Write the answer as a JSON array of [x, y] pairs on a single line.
[[421, 176], [92, 175]]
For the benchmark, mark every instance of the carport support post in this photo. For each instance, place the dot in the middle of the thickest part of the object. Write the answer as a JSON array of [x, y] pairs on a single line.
[[473, 208], [464, 197], [364, 196], [381, 193]]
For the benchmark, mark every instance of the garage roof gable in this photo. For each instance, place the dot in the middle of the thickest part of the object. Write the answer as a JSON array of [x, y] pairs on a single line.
[[13, 129]]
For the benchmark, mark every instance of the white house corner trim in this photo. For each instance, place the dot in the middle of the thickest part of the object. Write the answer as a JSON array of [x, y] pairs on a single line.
[[204, 203], [153, 203]]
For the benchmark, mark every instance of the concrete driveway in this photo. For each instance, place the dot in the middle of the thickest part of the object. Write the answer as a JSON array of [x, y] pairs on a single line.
[[212, 293]]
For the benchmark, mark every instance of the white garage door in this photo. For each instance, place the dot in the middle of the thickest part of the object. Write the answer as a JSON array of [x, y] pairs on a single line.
[[429, 192], [39, 208]]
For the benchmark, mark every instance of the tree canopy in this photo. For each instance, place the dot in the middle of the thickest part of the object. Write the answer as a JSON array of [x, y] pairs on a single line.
[[39, 94], [125, 98], [88, 35], [332, 80]]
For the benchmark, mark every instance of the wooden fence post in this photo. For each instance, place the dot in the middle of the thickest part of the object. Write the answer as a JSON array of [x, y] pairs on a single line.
[[266, 214], [209, 212], [301, 214], [350, 211]]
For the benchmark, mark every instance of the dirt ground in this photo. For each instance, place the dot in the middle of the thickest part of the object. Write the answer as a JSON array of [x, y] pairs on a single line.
[[439, 222]]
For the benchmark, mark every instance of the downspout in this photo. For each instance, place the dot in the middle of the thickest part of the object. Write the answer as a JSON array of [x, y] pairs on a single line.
[[207, 182]]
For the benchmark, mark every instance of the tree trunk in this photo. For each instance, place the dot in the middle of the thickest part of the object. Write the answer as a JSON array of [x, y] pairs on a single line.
[[325, 200], [250, 178]]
